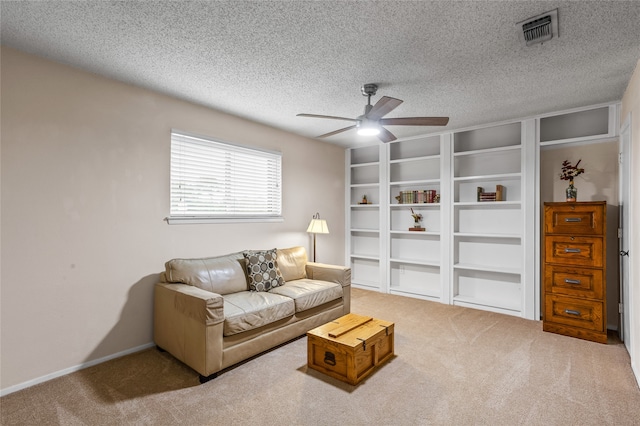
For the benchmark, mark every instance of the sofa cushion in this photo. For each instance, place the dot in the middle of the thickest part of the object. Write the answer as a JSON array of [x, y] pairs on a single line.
[[262, 270], [309, 293], [292, 263], [222, 275], [247, 310]]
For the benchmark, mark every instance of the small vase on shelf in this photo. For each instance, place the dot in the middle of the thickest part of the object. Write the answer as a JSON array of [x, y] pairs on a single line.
[[572, 193]]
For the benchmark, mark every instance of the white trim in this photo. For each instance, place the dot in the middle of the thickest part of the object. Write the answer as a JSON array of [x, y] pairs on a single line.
[[530, 303], [628, 304], [190, 220], [64, 372], [222, 141]]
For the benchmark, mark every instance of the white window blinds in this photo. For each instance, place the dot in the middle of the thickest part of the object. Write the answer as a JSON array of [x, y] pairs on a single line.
[[212, 179]]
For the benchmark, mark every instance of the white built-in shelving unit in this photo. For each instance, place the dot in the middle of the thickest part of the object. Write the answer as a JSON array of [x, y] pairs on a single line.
[[487, 246], [364, 230], [479, 254], [414, 256]]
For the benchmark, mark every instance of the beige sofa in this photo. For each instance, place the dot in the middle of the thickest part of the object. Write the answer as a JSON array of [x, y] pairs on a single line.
[[206, 316]]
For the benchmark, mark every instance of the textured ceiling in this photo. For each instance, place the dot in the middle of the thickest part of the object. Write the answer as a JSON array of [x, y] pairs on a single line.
[[268, 61]]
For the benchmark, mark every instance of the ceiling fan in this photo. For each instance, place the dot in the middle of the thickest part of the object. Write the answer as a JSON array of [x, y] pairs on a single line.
[[371, 122]]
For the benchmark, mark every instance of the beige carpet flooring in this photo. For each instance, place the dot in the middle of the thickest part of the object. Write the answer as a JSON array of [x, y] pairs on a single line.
[[453, 366]]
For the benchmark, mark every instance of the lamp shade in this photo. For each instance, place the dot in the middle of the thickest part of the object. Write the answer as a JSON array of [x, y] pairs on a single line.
[[318, 226]]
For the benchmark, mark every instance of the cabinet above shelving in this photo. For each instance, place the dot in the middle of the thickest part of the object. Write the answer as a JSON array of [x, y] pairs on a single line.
[[578, 126], [365, 156], [490, 139], [504, 162], [414, 149]]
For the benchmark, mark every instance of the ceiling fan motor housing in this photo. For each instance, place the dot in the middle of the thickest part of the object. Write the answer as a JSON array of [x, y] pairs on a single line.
[[369, 89]]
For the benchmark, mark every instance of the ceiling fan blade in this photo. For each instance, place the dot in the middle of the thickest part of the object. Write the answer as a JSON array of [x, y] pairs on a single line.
[[386, 136], [326, 116], [383, 107], [335, 132], [415, 121]]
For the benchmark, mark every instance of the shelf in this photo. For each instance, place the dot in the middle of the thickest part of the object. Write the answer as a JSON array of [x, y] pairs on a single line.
[[488, 150], [365, 206], [365, 185], [485, 268], [418, 295], [416, 262], [483, 235], [362, 283], [368, 231], [500, 176], [374, 163], [417, 233], [363, 256], [510, 309], [414, 205], [490, 204], [414, 182], [406, 160]]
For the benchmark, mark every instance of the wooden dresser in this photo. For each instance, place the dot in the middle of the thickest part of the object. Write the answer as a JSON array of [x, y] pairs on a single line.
[[574, 270]]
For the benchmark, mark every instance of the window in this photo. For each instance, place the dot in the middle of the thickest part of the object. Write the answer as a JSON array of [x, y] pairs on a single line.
[[213, 180]]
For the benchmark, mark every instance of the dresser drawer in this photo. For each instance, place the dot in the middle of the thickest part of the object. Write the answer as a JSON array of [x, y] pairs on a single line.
[[578, 282], [570, 250], [587, 314], [570, 218]]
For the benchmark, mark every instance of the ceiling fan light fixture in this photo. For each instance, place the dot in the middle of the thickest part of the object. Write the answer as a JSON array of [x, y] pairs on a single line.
[[368, 129]]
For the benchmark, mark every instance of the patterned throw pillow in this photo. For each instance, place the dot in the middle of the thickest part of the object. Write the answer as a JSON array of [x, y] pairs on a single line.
[[262, 270]]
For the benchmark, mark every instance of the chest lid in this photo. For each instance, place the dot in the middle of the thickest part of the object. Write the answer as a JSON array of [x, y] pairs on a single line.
[[353, 330]]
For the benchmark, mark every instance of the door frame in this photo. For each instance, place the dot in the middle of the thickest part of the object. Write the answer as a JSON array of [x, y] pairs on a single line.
[[624, 187]]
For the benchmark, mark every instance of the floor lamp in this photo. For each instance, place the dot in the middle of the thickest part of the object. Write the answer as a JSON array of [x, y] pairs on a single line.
[[317, 226]]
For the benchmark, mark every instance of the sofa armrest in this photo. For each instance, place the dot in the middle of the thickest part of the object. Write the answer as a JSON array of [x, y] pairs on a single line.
[[189, 323], [332, 273], [335, 274], [193, 302]]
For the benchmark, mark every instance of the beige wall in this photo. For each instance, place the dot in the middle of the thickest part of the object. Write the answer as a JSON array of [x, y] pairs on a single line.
[[631, 105], [598, 183], [85, 189]]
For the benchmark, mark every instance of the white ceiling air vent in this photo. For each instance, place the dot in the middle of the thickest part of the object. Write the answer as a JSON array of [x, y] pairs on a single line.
[[539, 29]]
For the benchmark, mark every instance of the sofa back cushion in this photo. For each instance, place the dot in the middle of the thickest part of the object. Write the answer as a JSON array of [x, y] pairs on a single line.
[[222, 275], [292, 263]]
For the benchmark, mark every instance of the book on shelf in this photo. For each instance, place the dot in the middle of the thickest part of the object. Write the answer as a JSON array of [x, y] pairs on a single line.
[[417, 196], [498, 195]]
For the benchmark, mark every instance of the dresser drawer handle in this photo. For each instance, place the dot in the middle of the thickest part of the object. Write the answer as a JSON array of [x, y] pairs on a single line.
[[571, 312], [570, 281], [573, 219], [572, 250]]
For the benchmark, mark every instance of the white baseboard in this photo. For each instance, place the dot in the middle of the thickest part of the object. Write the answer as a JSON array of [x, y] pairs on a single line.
[[73, 369]]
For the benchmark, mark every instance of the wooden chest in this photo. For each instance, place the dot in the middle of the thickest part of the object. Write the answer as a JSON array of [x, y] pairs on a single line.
[[350, 348], [574, 270]]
